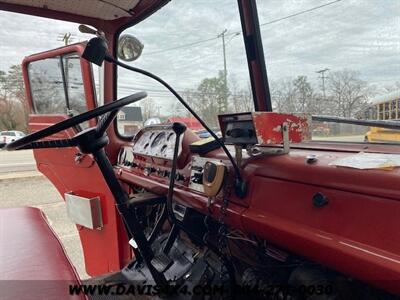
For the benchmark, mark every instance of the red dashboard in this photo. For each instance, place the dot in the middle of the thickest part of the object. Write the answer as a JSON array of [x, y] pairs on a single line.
[[343, 217]]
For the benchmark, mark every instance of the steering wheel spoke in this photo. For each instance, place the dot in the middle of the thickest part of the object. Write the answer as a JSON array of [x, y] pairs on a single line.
[[105, 121], [109, 110], [64, 143]]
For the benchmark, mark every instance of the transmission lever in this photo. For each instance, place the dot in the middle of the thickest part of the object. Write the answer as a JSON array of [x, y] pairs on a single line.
[[179, 129]]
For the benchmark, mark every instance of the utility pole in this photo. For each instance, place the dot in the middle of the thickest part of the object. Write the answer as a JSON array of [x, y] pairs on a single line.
[[66, 38], [222, 35], [322, 72]]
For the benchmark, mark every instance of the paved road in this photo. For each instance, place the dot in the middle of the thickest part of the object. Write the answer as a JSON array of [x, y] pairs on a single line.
[[16, 161]]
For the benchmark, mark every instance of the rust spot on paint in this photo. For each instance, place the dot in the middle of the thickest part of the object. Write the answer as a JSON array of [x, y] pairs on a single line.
[[268, 127]]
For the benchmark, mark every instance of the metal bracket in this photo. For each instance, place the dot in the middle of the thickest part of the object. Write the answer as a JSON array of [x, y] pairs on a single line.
[[257, 150], [84, 211]]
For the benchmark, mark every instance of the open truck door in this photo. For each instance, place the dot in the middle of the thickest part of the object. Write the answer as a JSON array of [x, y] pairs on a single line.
[[60, 84]]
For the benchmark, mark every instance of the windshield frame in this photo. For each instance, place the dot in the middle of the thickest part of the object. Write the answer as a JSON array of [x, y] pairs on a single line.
[[255, 55]]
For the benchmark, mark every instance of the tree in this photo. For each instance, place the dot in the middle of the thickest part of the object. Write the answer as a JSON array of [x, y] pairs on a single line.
[[304, 95], [189, 95], [9, 114], [283, 95], [246, 102], [148, 108], [209, 99], [241, 100], [214, 92], [348, 94], [15, 83], [294, 95], [390, 88], [13, 107]]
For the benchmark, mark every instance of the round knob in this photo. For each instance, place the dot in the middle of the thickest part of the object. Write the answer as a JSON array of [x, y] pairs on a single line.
[[319, 200]]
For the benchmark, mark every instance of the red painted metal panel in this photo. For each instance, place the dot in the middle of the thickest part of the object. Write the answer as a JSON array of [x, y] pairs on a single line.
[[353, 233], [268, 127]]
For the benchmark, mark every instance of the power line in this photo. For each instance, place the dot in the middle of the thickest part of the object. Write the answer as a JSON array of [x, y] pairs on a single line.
[[183, 46], [166, 92], [300, 13], [236, 33]]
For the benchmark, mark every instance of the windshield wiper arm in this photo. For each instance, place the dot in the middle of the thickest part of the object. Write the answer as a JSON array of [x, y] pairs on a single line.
[[372, 123]]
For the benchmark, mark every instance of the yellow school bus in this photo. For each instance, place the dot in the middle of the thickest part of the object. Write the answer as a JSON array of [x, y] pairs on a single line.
[[383, 108]]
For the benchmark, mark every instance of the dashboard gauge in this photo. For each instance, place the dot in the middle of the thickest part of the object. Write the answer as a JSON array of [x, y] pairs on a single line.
[[156, 143], [169, 150], [121, 156], [158, 140], [170, 135], [163, 150]]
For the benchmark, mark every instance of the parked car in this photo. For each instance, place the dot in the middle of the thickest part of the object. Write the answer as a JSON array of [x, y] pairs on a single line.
[[203, 133], [10, 136]]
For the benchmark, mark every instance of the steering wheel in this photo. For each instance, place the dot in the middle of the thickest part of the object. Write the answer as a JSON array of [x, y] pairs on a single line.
[[109, 111]]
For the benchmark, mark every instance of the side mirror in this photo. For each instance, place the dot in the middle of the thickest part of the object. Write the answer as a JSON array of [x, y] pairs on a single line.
[[129, 48]]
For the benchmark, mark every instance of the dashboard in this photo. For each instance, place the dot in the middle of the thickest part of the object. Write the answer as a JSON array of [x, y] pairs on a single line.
[[151, 152], [282, 204]]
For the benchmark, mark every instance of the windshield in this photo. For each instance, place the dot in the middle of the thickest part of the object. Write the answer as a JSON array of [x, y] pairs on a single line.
[[7, 133], [338, 58], [198, 48]]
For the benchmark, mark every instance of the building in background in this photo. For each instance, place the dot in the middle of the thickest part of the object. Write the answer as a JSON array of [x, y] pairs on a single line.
[[130, 120]]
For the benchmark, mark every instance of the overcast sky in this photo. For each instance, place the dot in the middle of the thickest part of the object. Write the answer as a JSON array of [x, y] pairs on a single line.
[[362, 35]]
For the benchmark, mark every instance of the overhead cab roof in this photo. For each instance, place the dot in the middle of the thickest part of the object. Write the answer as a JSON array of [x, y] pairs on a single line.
[[99, 13], [99, 9]]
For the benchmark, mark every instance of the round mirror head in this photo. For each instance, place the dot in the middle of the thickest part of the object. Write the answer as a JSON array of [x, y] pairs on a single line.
[[129, 48]]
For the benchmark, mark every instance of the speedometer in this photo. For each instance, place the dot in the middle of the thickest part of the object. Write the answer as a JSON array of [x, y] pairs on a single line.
[[158, 140]]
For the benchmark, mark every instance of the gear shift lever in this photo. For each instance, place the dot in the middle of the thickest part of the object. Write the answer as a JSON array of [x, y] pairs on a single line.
[[179, 129]]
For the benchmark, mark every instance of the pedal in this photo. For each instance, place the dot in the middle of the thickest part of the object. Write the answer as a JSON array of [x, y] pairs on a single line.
[[161, 262]]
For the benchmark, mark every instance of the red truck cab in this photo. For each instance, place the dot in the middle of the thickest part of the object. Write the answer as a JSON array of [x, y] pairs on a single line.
[[258, 206]]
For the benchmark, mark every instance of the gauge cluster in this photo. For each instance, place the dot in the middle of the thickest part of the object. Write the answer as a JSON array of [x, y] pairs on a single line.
[[158, 143]]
